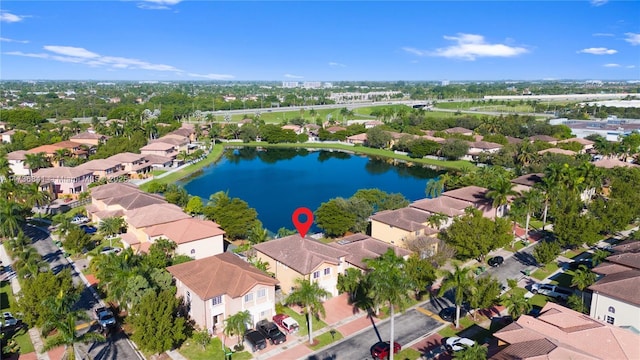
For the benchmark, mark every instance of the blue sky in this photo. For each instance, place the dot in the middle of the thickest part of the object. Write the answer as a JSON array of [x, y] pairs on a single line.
[[319, 40]]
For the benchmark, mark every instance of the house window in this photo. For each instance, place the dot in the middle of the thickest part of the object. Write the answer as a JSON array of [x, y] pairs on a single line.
[[263, 314], [612, 309], [610, 319], [188, 298], [327, 271], [262, 293], [216, 300], [248, 297], [316, 274]]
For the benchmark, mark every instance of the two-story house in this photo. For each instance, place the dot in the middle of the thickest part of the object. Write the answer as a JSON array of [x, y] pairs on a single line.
[[220, 286], [397, 226], [66, 180], [138, 220], [293, 257], [194, 237], [134, 165], [16, 163]]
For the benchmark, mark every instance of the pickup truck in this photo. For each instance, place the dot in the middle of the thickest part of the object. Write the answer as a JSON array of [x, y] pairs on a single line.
[[271, 332], [255, 339], [551, 291], [105, 317], [287, 323]]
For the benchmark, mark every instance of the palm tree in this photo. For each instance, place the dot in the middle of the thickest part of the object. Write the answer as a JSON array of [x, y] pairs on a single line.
[[309, 295], [68, 337], [236, 324], [349, 282], [517, 304], [111, 225], [582, 278], [434, 188], [11, 218], [389, 284], [473, 352], [5, 168], [531, 200], [459, 280], [546, 186], [437, 220], [19, 243], [598, 256], [60, 155], [31, 195], [36, 161], [500, 193]]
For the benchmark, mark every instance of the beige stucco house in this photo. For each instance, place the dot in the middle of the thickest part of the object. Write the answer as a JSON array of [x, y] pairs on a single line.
[[16, 163], [397, 226], [293, 257], [69, 181], [194, 237], [216, 287]]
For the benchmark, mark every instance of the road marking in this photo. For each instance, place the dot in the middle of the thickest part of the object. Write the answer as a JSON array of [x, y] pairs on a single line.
[[85, 325], [428, 313]]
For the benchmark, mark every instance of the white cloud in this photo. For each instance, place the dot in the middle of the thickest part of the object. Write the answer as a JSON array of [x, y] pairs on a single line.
[[598, 2], [6, 16], [213, 76], [415, 51], [77, 55], [632, 38], [598, 51], [289, 76], [13, 40], [157, 4], [611, 65], [336, 64], [470, 47], [603, 34], [631, 66]]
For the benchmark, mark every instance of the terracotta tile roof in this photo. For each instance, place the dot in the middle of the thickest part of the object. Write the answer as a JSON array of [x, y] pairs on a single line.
[[108, 213], [472, 194], [186, 230], [623, 285], [183, 131], [627, 246], [47, 149], [291, 127], [154, 146], [126, 157], [361, 247], [301, 254], [17, 155], [219, 275], [458, 130], [135, 200], [99, 165], [334, 129], [528, 179], [485, 145], [630, 259], [571, 332], [557, 151], [62, 172], [86, 135], [358, 137], [170, 139], [513, 140], [113, 189], [433, 138], [583, 142], [130, 239], [607, 268], [408, 219], [442, 205], [545, 138], [154, 215], [67, 144], [157, 159], [611, 163]]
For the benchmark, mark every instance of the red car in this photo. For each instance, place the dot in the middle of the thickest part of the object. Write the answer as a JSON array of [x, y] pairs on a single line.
[[287, 323], [380, 350]]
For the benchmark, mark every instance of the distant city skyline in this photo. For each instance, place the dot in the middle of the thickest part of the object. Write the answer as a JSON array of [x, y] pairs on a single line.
[[455, 41]]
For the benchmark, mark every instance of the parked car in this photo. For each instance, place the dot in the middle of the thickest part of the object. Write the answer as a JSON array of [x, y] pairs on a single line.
[[449, 314], [551, 291], [575, 264], [105, 317], [287, 323], [110, 250], [455, 343], [380, 350], [495, 261], [89, 229], [8, 319], [255, 339], [79, 219], [270, 331]]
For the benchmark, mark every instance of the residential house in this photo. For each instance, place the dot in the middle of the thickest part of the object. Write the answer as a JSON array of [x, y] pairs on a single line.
[[513, 141], [116, 199], [147, 216], [372, 124], [526, 182], [179, 142], [293, 257], [616, 294], [104, 168], [358, 139], [158, 162], [398, 226], [481, 147], [611, 163], [360, 247], [587, 145], [444, 205], [187, 131], [4, 126], [69, 181], [194, 237], [16, 163], [477, 197], [159, 149], [6, 136], [561, 333], [460, 131], [217, 287], [90, 138], [544, 138], [557, 151], [295, 128], [134, 165]]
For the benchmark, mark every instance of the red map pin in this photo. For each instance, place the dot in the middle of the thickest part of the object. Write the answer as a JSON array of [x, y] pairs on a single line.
[[302, 227]]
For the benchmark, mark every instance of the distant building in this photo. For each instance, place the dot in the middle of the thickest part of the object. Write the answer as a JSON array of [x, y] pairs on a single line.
[[289, 84], [444, 83], [312, 84]]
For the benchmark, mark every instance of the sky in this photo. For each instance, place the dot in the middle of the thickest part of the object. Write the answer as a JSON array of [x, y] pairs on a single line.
[[187, 40]]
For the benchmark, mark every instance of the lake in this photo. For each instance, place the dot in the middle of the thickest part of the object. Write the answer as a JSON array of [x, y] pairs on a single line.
[[276, 181]]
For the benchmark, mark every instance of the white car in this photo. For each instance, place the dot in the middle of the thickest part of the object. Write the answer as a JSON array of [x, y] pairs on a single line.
[[110, 250], [8, 319], [455, 343], [79, 219]]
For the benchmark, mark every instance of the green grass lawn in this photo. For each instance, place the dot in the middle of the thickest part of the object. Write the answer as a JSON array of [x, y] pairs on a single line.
[[213, 351], [571, 253], [407, 354], [543, 272], [562, 279], [7, 301], [450, 330], [302, 321], [325, 339], [517, 246]]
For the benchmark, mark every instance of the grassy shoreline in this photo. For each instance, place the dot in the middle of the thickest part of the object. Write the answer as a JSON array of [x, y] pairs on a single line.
[[219, 148]]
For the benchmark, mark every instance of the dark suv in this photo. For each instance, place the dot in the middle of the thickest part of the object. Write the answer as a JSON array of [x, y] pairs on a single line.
[[255, 340], [271, 331]]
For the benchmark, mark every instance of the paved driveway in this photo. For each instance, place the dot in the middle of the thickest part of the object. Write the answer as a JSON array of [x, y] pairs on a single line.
[[514, 266]]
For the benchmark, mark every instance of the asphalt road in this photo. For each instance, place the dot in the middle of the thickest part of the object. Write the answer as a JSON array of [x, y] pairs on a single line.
[[514, 266], [117, 345]]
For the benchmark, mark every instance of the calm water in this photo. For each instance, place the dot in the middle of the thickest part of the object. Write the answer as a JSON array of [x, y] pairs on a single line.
[[277, 181]]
